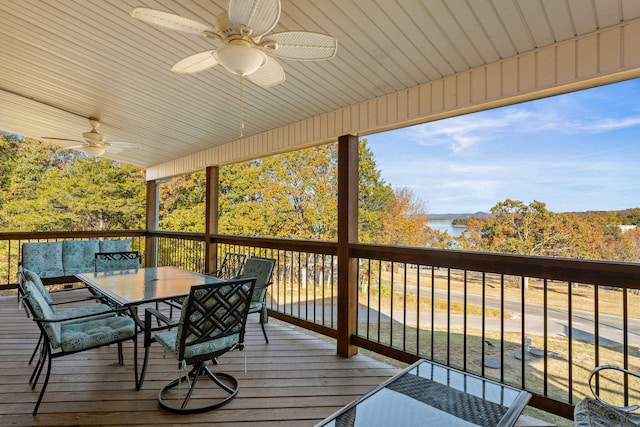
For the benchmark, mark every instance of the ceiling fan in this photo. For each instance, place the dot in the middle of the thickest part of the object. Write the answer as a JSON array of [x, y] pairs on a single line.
[[243, 46], [94, 143]]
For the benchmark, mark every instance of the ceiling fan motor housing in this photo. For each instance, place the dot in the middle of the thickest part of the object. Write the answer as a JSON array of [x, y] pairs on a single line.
[[93, 136]]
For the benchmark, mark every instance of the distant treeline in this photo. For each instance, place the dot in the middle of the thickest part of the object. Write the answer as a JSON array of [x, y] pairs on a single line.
[[629, 216]]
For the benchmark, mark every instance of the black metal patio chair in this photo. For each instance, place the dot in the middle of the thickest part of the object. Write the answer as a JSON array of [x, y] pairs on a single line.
[[212, 322], [231, 266], [116, 261], [262, 269], [62, 337], [97, 303], [596, 412]]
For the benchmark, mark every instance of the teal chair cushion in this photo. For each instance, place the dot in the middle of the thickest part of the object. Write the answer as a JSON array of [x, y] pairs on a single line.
[[216, 311], [255, 306], [120, 245], [169, 340], [261, 269], [42, 310], [43, 258], [83, 311], [78, 255], [32, 277], [83, 335]]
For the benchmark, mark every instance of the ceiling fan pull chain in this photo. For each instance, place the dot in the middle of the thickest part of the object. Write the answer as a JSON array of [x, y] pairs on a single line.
[[241, 105]]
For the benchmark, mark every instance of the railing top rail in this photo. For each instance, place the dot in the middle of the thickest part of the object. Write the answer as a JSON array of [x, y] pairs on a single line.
[[607, 273], [311, 246], [42, 235]]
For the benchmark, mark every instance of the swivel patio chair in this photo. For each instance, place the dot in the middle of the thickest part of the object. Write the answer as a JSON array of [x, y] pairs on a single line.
[[64, 337], [231, 266], [262, 270], [595, 412], [212, 322], [116, 261]]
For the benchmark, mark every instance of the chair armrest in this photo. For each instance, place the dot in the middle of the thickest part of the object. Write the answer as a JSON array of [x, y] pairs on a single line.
[[148, 321], [83, 316], [60, 291], [595, 372], [91, 298], [217, 274]]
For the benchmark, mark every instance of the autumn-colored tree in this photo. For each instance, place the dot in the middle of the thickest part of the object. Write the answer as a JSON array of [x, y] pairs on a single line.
[[405, 223], [533, 230], [292, 195]]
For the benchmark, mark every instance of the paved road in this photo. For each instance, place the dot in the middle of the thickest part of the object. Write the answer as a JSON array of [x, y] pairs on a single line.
[[610, 327]]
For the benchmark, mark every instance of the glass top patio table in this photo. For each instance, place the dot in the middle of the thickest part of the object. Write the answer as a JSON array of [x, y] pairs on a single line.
[[134, 287], [428, 393]]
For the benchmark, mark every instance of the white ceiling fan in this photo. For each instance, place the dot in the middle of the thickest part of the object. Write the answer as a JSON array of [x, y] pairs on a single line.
[[243, 46], [94, 143]]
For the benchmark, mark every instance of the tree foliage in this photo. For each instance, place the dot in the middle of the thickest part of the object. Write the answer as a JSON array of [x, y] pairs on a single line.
[[45, 188], [291, 195], [516, 228], [294, 195], [182, 203]]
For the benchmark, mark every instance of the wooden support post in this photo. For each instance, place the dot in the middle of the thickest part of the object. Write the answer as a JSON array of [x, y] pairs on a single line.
[[211, 218], [151, 243], [347, 234]]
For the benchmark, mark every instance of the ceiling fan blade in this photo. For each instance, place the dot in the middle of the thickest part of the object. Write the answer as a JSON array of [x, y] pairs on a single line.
[[171, 21], [121, 145], [301, 45], [270, 74], [259, 15], [195, 63], [113, 150], [50, 138], [74, 147]]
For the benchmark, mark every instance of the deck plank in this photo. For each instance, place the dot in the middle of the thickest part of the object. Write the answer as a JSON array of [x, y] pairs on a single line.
[[295, 380]]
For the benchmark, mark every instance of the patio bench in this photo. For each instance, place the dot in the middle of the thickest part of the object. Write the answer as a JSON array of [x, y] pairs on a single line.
[[59, 262]]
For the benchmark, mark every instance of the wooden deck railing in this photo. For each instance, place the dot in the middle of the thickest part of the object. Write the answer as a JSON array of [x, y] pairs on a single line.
[[538, 323]]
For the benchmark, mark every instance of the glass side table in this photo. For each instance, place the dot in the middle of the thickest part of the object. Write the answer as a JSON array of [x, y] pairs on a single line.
[[427, 393]]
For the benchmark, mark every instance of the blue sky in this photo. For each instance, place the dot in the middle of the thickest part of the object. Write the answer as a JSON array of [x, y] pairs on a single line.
[[574, 152]]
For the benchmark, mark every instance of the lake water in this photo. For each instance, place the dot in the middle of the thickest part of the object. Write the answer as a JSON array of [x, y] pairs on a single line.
[[446, 226]]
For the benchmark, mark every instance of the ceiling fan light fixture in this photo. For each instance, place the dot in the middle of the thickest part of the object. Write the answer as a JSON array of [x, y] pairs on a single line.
[[240, 60], [94, 150]]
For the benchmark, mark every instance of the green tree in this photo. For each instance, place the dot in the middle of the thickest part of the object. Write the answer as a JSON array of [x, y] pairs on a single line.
[[182, 203], [375, 197], [51, 189], [291, 195], [294, 195]]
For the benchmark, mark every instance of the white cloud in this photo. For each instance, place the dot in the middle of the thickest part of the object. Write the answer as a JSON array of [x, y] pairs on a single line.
[[574, 152], [460, 133]]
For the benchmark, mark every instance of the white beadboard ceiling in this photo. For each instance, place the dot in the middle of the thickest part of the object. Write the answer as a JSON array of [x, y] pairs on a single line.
[[62, 61]]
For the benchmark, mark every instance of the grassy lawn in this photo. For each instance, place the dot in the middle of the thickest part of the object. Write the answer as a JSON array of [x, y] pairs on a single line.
[[455, 349], [451, 349], [557, 293]]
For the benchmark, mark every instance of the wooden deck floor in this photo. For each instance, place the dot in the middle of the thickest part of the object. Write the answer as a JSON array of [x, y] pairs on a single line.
[[295, 380]]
